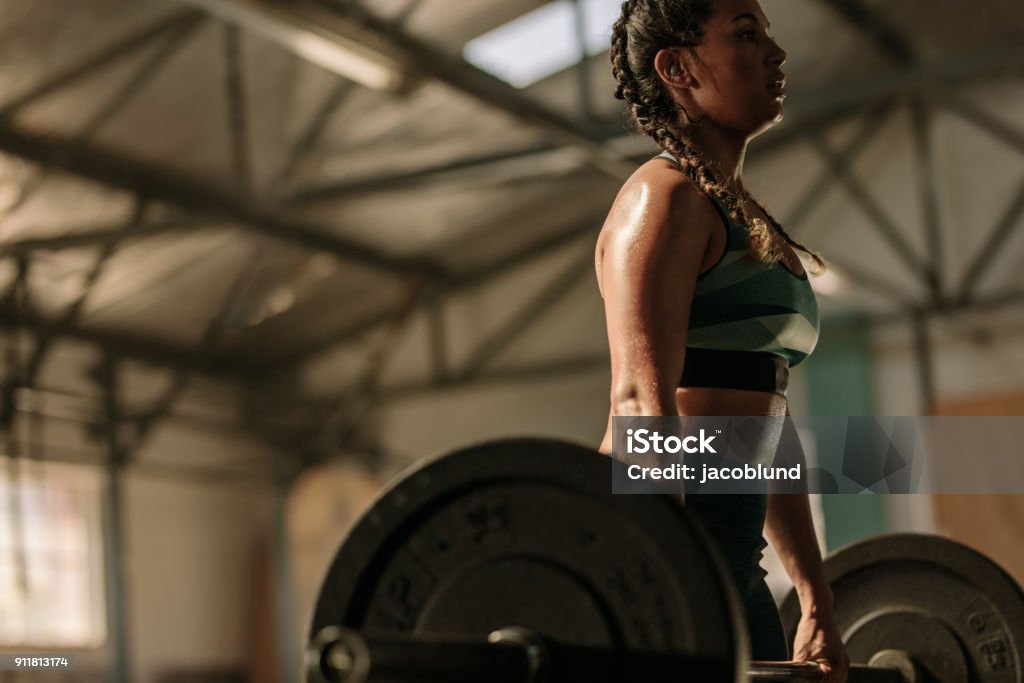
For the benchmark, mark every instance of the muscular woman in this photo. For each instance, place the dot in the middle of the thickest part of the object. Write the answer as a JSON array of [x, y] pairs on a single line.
[[707, 303]]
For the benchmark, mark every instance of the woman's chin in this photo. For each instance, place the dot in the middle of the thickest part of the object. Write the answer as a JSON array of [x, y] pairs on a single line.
[[769, 121]]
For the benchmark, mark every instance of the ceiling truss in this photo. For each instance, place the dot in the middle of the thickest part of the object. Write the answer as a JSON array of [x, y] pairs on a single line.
[[922, 86]]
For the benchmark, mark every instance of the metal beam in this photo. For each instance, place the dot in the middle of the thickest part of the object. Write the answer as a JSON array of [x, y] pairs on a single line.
[[997, 237], [498, 94], [453, 285], [527, 315], [869, 126], [320, 36], [193, 194], [600, 363], [122, 344], [175, 39], [45, 340], [421, 59], [876, 215], [389, 182], [81, 409], [84, 67], [15, 298], [871, 282], [343, 418], [437, 339], [543, 370], [583, 80], [925, 158], [954, 102], [826, 103], [311, 134], [867, 21], [925, 365], [206, 347], [487, 89], [77, 238], [238, 120], [918, 78], [474, 166], [169, 44], [805, 112]]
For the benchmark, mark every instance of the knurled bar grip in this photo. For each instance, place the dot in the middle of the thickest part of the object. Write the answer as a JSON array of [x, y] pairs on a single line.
[[809, 671], [512, 655]]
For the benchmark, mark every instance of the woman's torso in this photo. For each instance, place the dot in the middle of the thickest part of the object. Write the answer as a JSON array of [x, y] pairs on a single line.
[[714, 400]]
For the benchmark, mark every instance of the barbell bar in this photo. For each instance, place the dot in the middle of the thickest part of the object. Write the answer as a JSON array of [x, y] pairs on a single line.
[[516, 655]]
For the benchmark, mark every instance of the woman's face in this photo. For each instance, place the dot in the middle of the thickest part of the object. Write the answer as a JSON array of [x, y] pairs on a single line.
[[739, 70]]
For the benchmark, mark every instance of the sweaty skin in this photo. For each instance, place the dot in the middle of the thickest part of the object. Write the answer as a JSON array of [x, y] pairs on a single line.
[[661, 233]]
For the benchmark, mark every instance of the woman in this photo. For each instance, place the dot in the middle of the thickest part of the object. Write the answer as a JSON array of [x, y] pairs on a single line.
[[707, 304]]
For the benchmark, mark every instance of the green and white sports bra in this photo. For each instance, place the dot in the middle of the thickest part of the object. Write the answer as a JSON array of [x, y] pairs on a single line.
[[741, 304]]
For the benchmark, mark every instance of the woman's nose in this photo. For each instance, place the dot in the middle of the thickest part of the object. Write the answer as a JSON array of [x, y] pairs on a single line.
[[778, 55]]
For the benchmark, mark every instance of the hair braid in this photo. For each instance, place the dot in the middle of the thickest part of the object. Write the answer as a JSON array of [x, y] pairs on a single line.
[[653, 113], [816, 258], [643, 28]]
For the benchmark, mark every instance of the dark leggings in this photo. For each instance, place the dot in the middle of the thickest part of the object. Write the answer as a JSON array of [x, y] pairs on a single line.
[[736, 525]]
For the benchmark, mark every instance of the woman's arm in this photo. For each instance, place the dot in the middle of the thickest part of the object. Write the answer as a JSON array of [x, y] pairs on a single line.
[[790, 530], [653, 245]]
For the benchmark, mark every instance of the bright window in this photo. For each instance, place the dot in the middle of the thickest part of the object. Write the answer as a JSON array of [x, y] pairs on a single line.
[[51, 565], [543, 42]]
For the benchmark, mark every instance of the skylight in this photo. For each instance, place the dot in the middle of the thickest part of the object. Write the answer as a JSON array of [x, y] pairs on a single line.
[[543, 42]]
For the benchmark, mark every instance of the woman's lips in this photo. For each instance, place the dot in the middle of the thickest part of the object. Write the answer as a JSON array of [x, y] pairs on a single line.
[[778, 87]]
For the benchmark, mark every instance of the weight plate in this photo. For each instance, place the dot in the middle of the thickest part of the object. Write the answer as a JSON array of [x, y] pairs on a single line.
[[955, 612], [527, 533]]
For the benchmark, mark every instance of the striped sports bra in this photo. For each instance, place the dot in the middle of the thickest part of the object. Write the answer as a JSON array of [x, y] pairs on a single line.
[[745, 305]]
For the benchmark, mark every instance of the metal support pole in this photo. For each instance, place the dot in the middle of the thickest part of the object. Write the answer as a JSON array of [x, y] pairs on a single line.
[[925, 365], [9, 437], [117, 592], [117, 603], [284, 596], [582, 70]]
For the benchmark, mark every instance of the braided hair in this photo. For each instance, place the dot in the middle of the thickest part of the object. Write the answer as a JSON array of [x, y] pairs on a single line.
[[643, 28]]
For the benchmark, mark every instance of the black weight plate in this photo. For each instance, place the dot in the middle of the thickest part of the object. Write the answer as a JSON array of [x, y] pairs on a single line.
[[527, 533], [955, 612]]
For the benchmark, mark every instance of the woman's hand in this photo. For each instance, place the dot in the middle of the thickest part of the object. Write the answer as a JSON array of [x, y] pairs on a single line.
[[817, 640]]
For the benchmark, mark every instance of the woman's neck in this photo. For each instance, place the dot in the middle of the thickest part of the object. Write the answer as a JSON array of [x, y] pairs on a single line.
[[725, 151]]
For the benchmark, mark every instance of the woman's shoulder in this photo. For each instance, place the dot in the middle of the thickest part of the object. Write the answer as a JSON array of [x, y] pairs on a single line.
[[657, 196]]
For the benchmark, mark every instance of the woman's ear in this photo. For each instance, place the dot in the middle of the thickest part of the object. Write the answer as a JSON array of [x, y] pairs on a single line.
[[673, 68]]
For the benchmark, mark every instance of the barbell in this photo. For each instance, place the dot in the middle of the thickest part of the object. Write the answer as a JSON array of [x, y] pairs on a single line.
[[512, 561]]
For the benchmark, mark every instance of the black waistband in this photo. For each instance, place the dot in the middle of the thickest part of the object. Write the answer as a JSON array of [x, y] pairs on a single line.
[[750, 370]]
